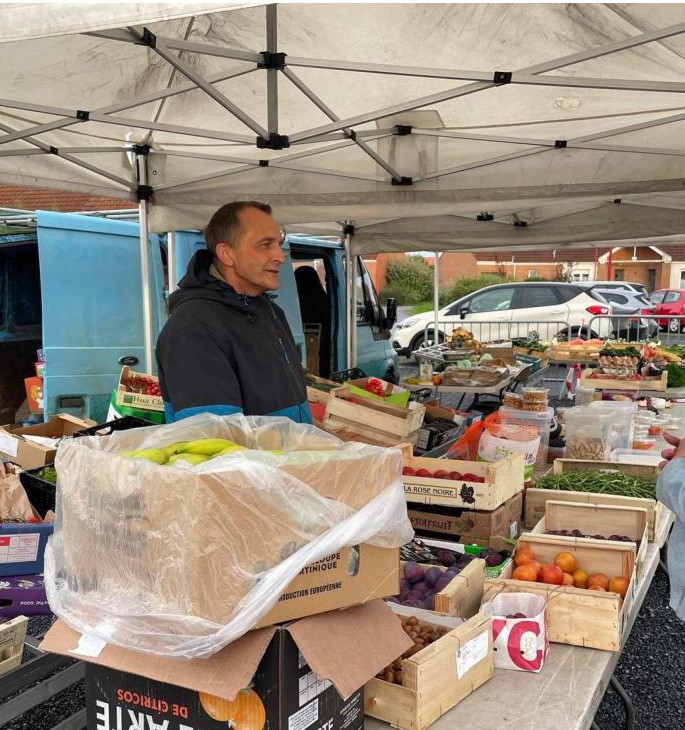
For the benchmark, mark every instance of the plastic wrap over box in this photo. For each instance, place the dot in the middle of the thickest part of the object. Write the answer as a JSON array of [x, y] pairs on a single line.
[[181, 560]]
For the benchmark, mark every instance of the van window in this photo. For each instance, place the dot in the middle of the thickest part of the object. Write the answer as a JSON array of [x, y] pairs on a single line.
[[369, 310], [20, 308]]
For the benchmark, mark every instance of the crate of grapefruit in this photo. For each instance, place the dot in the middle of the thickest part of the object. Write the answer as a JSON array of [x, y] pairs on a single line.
[[589, 584], [139, 390]]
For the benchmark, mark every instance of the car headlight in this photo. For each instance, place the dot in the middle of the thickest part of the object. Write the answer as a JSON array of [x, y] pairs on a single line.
[[406, 323]]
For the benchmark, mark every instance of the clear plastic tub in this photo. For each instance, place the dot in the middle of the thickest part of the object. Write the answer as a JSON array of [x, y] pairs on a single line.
[[623, 423], [541, 421], [588, 432]]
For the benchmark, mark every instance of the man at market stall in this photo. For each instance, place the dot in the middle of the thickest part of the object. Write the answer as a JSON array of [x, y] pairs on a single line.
[[670, 490], [227, 347]]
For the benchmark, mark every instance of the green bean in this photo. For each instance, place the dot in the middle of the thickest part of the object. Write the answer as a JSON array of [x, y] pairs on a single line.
[[600, 482]]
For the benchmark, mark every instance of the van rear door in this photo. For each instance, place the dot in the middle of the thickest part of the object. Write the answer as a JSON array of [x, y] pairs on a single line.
[[92, 307]]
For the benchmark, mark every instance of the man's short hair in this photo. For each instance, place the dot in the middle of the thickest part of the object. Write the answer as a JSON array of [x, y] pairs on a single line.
[[224, 226]]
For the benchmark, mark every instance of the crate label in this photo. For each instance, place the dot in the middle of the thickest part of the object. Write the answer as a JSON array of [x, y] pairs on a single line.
[[305, 717], [471, 653], [9, 444], [21, 548]]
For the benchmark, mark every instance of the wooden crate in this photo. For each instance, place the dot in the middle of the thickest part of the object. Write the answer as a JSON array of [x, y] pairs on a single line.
[[12, 636], [608, 383], [503, 479], [535, 499], [125, 397], [461, 596], [314, 395], [578, 616], [436, 678], [387, 423], [598, 519]]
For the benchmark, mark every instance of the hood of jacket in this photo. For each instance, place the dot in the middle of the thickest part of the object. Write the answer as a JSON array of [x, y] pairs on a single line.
[[200, 283]]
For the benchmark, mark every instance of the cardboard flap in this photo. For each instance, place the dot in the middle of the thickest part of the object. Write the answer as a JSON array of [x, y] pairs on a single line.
[[223, 674], [351, 646]]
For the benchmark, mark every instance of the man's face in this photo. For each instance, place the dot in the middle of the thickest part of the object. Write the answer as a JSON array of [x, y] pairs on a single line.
[[252, 267]]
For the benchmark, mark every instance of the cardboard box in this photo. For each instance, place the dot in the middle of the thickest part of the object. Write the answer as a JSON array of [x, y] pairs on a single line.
[[436, 678], [22, 547], [466, 525], [351, 576], [34, 394], [12, 635], [578, 616], [305, 674], [15, 447], [210, 570], [129, 391], [597, 519], [503, 479], [23, 595]]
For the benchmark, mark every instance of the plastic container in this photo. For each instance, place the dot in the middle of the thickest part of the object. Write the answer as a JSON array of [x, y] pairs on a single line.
[[535, 399], [623, 423], [513, 400], [637, 456], [540, 421], [643, 444], [588, 432], [584, 396]]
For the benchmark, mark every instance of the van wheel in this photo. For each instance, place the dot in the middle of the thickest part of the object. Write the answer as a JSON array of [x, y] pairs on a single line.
[[420, 342]]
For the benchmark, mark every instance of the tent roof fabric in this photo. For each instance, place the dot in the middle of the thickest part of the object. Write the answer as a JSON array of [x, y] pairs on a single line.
[[429, 126]]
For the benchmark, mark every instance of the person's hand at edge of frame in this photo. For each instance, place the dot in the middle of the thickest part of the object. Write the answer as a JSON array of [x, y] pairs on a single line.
[[677, 448]]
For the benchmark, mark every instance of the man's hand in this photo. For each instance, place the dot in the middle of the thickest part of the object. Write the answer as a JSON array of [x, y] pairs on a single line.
[[678, 448]]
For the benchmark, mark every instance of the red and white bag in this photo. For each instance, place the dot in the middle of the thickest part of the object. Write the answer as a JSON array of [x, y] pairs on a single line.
[[519, 643]]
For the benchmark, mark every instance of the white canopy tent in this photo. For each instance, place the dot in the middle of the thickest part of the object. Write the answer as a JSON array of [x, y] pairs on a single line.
[[417, 126]]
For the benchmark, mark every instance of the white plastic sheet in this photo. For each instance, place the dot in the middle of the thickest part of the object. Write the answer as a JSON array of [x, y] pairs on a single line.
[[180, 561]]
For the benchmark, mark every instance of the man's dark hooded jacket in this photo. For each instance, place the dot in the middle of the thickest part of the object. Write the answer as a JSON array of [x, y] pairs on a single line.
[[222, 352]]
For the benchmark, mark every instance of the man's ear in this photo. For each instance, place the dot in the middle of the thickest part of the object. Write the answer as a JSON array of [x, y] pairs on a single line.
[[224, 254]]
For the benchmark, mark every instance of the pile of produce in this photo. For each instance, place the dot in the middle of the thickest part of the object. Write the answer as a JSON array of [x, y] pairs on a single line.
[[565, 571], [599, 482], [47, 474], [143, 384], [191, 452], [419, 584], [579, 533], [423, 635], [418, 552], [454, 475]]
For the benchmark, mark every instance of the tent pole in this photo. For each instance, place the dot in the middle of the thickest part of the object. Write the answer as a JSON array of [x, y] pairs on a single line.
[[141, 167], [172, 278], [351, 314], [436, 294]]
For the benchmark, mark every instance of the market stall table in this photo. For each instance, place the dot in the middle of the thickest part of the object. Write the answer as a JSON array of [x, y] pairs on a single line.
[[517, 374], [565, 694]]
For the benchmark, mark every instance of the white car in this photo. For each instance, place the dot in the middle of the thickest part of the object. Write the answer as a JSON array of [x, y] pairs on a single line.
[[519, 309]]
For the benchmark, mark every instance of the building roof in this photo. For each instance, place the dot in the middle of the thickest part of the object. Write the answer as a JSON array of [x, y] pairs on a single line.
[[28, 198]]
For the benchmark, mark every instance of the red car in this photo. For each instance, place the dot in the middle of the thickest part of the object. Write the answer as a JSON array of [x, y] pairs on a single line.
[[669, 301]]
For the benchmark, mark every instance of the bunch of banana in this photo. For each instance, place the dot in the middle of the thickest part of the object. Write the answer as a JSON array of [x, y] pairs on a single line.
[[192, 452], [669, 356]]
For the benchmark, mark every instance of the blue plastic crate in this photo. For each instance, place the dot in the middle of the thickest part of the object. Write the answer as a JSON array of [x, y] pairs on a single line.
[[22, 547]]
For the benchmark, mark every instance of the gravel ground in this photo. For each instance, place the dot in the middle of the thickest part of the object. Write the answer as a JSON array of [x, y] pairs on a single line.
[[651, 669]]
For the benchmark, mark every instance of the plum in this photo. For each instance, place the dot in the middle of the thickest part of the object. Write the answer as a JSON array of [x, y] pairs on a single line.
[[493, 560], [413, 572], [442, 582], [432, 575], [446, 558], [405, 585], [429, 603], [420, 586]]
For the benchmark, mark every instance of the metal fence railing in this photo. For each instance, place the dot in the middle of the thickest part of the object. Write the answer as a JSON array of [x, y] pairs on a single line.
[[668, 329]]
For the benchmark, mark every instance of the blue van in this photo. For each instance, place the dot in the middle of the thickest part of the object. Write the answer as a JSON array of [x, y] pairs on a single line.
[[89, 282]]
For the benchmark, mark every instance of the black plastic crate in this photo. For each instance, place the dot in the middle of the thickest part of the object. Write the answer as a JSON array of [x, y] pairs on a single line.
[[41, 492], [119, 424]]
